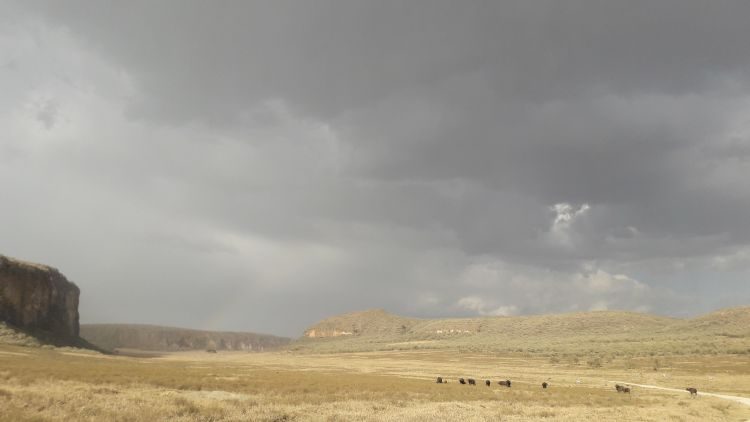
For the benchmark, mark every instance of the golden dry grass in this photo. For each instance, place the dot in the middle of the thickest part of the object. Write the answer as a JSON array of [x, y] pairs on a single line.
[[69, 384]]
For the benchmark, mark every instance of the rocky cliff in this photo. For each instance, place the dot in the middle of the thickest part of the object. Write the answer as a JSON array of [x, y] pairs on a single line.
[[156, 338], [38, 297]]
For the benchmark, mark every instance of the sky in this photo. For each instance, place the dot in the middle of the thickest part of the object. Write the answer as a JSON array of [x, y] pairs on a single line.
[[261, 165]]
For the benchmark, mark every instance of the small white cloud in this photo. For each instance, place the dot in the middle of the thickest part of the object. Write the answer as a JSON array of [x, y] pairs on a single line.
[[603, 282], [481, 307], [566, 213], [565, 216], [503, 311]]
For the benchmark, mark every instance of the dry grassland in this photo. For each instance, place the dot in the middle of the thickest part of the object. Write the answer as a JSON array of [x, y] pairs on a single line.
[[68, 384], [583, 335]]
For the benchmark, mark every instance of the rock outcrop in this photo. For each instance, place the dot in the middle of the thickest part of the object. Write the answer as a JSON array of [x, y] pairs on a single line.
[[38, 297], [314, 332]]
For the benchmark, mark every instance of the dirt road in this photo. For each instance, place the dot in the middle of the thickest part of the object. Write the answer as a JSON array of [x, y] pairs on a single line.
[[738, 399]]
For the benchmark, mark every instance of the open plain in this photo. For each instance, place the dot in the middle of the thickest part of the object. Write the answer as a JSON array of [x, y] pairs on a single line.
[[41, 384]]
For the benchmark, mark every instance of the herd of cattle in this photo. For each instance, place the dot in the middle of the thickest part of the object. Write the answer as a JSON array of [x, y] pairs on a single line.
[[471, 381]]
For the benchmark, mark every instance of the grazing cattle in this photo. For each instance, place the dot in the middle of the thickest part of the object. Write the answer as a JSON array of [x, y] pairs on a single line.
[[439, 380], [544, 385], [693, 391], [619, 388], [626, 390], [462, 381], [487, 382], [505, 383], [472, 382]]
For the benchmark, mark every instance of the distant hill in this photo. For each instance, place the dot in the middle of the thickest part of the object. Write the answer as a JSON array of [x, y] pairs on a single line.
[[371, 322], [157, 338], [598, 332], [731, 322], [378, 322]]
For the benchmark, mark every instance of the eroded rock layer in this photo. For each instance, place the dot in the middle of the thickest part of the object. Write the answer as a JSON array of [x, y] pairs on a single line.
[[38, 297]]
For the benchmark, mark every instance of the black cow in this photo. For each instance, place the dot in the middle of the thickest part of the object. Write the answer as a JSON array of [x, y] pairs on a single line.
[[462, 381], [472, 381], [505, 383], [544, 385], [619, 388], [439, 380], [626, 390], [487, 382], [693, 391]]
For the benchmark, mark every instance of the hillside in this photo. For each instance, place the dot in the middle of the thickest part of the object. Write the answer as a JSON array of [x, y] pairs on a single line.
[[587, 333], [370, 322], [731, 322], [15, 336], [152, 337]]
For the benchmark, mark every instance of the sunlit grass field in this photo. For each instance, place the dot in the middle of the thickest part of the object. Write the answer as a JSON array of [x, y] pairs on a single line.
[[38, 384]]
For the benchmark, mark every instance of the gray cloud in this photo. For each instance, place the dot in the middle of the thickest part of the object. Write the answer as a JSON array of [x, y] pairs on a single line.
[[259, 165]]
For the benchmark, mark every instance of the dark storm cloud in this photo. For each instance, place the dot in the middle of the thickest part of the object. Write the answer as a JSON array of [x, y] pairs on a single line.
[[200, 60], [428, 157]]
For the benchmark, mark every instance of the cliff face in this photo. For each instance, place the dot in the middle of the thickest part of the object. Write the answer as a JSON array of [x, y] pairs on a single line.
[[38, 297], [333, 332], [152, 337]]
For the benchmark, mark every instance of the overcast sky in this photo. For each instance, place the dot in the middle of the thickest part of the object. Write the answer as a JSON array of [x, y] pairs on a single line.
[[261, 165]]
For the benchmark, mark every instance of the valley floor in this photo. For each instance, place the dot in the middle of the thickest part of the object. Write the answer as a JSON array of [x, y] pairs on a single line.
[[38, 384]]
